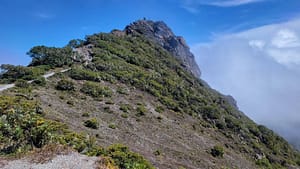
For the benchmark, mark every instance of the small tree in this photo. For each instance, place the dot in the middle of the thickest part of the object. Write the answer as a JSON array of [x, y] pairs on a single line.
[[55, 57], [75, 43]]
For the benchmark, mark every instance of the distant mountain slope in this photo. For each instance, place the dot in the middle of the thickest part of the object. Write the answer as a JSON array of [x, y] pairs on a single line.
[[138, 90]]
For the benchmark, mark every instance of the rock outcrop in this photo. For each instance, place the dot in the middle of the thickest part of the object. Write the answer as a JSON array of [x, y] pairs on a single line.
[[160, 33]]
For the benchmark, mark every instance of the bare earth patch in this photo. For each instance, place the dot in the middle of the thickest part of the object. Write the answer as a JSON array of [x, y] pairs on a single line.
[[52, 157]]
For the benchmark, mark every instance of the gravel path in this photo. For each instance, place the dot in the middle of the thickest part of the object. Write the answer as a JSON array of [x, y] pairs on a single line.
[[8, 86], [70, 161]]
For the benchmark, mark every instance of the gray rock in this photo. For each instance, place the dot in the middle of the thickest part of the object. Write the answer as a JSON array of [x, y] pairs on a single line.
[[231, 101], [160, 33]]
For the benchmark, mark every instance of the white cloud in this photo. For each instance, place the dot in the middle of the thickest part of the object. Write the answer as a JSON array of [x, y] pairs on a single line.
[[260, 68], [286, 38], [278, 41], [259, 44], [42, 15], [193, 5], [290, 58], [229, 3]]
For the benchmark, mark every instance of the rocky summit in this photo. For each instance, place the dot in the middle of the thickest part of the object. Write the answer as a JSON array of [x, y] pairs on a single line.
[[135, 99], [161, 34]]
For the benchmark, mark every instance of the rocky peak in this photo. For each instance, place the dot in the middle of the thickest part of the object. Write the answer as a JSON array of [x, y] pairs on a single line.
[[160, 33]]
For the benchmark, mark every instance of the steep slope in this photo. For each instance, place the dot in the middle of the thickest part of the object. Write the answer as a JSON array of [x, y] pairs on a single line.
[[126, 87]]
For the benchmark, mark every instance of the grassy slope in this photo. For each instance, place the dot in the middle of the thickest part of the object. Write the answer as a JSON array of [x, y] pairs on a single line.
[[137, 62], [158, 109]]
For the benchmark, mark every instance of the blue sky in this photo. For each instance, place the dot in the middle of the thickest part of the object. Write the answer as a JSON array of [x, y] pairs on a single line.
[[25, 24], [245, 48]]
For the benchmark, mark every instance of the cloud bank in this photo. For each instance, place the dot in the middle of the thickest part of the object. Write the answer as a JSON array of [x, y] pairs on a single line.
[[261, 69]]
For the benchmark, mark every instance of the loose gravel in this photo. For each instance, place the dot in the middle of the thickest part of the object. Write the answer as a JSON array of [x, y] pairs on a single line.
[[72, 160]]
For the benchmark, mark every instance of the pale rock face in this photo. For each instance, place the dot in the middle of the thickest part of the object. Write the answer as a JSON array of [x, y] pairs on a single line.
[[160, 33]]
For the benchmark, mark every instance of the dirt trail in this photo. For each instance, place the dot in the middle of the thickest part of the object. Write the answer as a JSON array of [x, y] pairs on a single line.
[[47, 75]]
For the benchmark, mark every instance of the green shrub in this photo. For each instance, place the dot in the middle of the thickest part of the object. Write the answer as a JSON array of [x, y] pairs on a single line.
[[65, 85], [22, 126], [125, 107], [91, 123], [210, 112], [233, 123], [217, 151], [40, 81], [126, 159], [83, 74], [124, 115], [12, 73], [112, 126], [96, 90], [54, 57], [141, 110], [121, 90], [22, 83], [159, 109], [264, 162]]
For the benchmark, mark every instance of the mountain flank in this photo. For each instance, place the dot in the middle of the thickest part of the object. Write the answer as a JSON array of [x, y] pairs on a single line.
[[135, 98]]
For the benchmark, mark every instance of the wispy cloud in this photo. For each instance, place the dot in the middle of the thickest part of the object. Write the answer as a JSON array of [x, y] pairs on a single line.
[[193, 5], [260, 68], [43, 15], [230, 3]]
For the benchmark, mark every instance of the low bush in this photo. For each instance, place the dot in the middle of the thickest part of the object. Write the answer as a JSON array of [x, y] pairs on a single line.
[[141, 110], [96, 90], [264, 162], [126, 159], [124, 115], [217, 151], [22, 83], [65, 85], [39, 81], [125, 107], [92, 123], [159, 109], [112, 126], [22, 127], [83, 74], [121, 90], [11, 73]]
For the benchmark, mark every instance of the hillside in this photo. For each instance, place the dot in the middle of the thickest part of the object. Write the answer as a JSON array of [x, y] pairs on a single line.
[[139, 87]]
